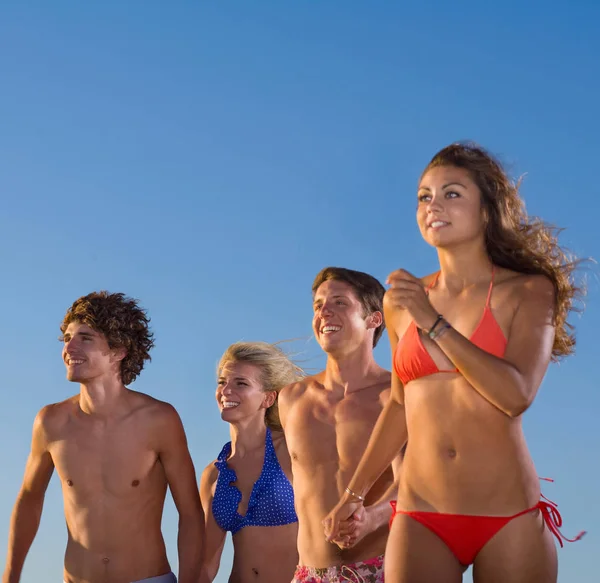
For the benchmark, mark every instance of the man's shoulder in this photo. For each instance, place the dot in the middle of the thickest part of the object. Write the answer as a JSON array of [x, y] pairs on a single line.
[[383, 382], [155, 408], [158, 419], [381, 388], [51, 422], [300, 388], [55, 414]]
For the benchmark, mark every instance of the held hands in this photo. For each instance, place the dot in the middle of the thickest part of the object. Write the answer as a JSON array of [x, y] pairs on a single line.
[[406, 292], [346, 524], [354, 529]]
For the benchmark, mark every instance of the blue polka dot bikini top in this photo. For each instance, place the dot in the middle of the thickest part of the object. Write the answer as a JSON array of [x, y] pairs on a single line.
[[271, 500]]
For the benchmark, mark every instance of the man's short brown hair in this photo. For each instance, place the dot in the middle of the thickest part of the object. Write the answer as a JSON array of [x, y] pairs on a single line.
[[368, 290]]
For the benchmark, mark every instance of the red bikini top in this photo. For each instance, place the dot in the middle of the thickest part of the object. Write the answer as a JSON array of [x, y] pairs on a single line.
[[412, 361]]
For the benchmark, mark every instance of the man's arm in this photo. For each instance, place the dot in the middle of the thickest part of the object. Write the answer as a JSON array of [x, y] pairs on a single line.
[[27, 511], [181, 476], [215, 536]]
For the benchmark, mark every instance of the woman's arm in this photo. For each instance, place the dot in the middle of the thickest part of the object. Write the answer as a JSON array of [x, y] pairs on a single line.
[[386, 442], [214, 535], [509, 383]]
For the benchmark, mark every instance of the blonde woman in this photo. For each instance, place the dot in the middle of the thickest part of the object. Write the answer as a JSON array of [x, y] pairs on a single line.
[[247, 490]]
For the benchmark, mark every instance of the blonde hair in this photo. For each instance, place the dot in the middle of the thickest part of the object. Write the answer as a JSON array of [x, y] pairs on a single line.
[[276, 370]]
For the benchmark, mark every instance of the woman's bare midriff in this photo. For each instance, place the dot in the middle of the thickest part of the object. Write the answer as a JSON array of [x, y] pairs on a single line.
[[262, 554], [464, 456]]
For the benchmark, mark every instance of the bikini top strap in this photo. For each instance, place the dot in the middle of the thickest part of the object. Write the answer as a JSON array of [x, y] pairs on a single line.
[[489, 296], [225, 451], [433, 283], [269, 447]]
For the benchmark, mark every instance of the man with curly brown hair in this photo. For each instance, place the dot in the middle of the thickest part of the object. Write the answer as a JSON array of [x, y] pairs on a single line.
[[115, 451]]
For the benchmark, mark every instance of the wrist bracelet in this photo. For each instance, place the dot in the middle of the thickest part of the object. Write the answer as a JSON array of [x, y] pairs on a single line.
[[440, 331], [354, 495], [435, 324]]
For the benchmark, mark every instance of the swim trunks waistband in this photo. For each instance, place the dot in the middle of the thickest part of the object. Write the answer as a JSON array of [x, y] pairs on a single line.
[[369, 571], [167, 578]]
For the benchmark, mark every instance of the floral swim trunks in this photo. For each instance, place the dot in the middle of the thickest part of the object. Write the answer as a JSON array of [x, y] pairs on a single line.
[[369, 571]]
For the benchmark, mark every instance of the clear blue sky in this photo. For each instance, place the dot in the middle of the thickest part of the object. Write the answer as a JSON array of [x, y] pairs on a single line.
[[210, 157]]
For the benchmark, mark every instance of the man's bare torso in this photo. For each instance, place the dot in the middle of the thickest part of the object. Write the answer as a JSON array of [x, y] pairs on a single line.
[[114, 488], [327, 432]]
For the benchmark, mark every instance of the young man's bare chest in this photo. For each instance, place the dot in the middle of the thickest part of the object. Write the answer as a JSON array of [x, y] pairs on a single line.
[[324, 428], [117, 459]]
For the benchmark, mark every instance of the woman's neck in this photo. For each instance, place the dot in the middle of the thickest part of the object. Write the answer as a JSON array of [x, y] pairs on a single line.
[[463, 267], [248, 435]]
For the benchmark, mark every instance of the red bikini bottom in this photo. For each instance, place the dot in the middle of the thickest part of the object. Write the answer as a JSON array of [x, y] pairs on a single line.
[[465, 535]]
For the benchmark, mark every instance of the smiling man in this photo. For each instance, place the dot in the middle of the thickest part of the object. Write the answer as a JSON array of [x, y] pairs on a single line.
[[328, 419], [115, 452]]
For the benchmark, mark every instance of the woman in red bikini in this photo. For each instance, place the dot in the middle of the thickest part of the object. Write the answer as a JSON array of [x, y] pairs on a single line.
[[470, 346]]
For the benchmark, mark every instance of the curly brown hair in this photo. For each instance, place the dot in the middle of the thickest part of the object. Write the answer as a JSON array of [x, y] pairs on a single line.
[[514, 240], [123, 323]]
